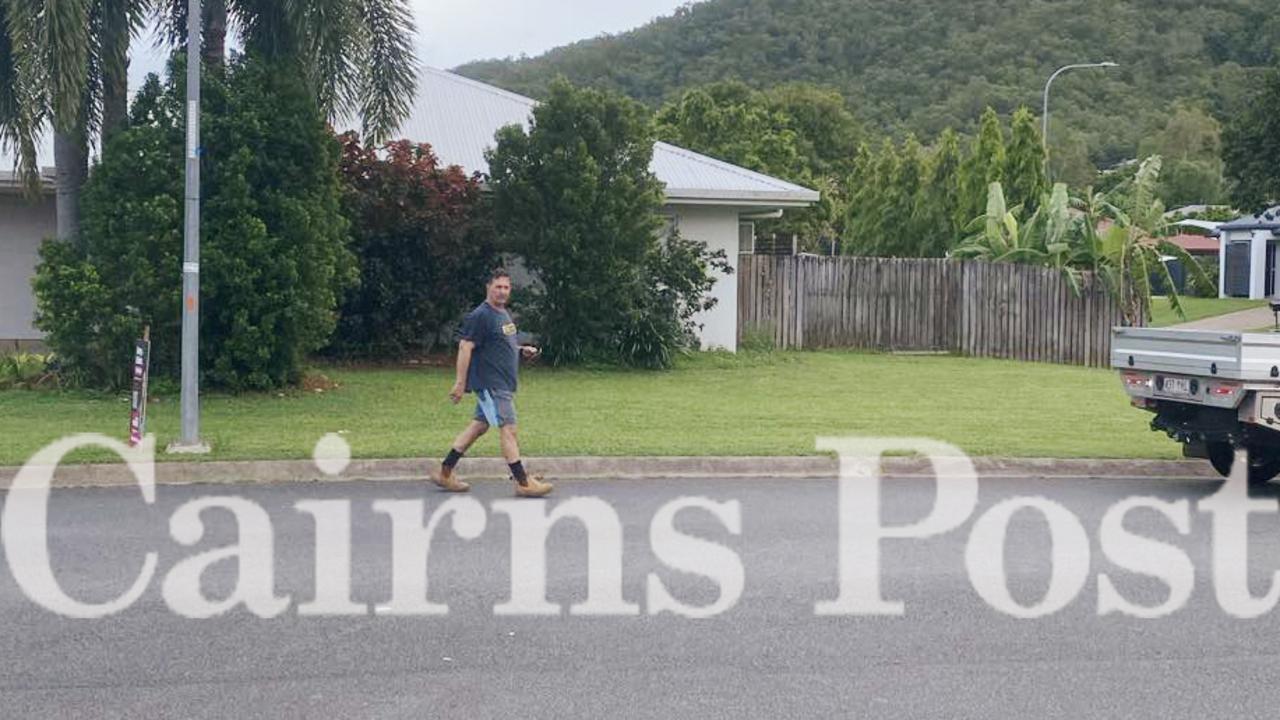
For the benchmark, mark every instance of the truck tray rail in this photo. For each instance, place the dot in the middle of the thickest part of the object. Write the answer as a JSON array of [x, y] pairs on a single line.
[[1244, 356]]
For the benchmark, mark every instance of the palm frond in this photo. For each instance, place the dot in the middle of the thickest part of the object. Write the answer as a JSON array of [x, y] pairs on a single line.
[[271, 29], [171, 19], [8, 73], [89, 112], [20, 120], [62, 34], [334, 37], [389, 68]]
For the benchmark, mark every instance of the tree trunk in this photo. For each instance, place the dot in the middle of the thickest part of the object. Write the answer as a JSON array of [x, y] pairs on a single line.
[[71, 155], [214, 41], [115, 69], [115, 104]]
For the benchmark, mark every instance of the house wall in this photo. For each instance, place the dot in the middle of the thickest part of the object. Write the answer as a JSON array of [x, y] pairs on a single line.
[[1222, 267], [718, 228], [1258, 242], [22, 227], [1258, 265]]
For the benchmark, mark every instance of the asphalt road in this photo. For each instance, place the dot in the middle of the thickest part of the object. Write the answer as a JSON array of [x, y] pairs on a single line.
[[769, 656]]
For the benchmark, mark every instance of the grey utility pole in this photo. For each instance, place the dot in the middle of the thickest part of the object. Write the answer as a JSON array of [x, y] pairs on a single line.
[[1044, 116], [190, 442]]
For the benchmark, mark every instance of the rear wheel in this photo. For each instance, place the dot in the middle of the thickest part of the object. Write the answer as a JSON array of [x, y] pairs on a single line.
[[1264, 463]]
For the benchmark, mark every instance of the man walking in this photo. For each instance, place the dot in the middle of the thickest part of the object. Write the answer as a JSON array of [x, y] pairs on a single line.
[[488, 362]]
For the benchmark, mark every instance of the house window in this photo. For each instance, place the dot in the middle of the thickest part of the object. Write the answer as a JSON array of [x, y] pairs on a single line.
[[670, 226], [746, 238]]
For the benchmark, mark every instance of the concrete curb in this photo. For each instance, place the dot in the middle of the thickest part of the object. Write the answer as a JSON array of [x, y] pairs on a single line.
[[290, 471]]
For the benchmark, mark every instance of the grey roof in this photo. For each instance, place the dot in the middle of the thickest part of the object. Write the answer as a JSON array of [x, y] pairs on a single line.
[[1188, 209], [459, 116], [1265, 220], [1209, 225], [11, 184]]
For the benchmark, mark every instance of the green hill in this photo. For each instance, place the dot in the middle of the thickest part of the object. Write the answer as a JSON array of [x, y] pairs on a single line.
[[923, 65]]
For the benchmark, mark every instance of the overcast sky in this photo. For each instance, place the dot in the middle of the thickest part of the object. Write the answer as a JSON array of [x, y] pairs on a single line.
[[453, 32]]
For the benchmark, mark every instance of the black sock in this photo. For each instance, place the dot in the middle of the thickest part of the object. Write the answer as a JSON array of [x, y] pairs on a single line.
[[454, 457], [517, 471]]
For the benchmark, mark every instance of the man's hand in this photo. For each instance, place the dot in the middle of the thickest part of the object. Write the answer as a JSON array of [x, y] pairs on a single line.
[[456, 393], [529, 352]]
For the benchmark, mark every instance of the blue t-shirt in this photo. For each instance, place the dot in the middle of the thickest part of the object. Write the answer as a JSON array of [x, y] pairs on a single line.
[[496, 358]]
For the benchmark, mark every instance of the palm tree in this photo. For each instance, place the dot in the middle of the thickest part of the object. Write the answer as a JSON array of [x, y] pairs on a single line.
[[358, 54], [63, 64]]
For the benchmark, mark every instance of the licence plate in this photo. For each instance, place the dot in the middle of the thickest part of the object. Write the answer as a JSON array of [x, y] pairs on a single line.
[[1177, 386]]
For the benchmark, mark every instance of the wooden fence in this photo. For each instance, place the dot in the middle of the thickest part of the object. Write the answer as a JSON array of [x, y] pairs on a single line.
[[1001, 310]]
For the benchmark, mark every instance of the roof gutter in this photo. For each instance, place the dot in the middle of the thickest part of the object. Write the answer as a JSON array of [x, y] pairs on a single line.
[[766, 215], [11, 182]]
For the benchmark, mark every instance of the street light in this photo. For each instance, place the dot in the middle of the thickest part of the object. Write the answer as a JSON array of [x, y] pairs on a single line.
[[1044, 116]]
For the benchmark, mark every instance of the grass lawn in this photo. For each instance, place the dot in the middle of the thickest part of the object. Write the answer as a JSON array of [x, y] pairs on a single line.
[[1197, 309], [712, 404]]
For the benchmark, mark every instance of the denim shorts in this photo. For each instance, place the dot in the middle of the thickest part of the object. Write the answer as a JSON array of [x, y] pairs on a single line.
[[496, 407]]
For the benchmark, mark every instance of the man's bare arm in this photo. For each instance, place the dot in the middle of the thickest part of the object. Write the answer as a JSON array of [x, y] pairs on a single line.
[[460, 375]]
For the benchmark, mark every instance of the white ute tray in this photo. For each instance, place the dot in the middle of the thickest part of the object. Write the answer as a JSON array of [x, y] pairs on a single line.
[[1251, 357]]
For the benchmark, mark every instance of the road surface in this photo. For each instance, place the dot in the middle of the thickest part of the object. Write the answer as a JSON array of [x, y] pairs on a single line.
[[769, 656]]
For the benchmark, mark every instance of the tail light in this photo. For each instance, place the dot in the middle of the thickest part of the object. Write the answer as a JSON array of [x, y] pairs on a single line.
[[1224, 390], [1137, 381]]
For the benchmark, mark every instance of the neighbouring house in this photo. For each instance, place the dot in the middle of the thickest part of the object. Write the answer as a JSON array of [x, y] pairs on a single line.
[[1196, 245], [1201, 243], [706, 199], [1203, 248], [1247, 255], [24, 223]]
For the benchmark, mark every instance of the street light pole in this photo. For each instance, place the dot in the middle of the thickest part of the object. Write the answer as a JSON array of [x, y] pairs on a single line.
[[1044, 115], [190, 442]]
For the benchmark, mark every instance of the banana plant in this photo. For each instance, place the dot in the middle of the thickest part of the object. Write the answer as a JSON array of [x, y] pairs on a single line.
[[1116, 241], [997, 234], [1128, 252], [1041, 239]]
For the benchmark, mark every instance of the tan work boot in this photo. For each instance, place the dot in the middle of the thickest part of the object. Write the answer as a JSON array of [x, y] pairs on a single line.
[[447, 481], [533, 488]]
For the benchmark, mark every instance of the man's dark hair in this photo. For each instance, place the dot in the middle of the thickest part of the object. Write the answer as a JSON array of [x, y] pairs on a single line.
[[498, 273]]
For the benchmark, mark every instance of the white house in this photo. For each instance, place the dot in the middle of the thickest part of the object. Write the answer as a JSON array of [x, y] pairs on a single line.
[[23, 224], [1247, 255], [706, 199]]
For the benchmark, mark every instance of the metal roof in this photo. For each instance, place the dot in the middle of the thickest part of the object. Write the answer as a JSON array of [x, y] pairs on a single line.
[[1266, 220], [1194, 243], [1208, 225], [459, 116]]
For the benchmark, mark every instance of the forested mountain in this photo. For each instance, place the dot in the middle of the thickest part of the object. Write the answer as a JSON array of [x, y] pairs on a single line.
[[926, 65]]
